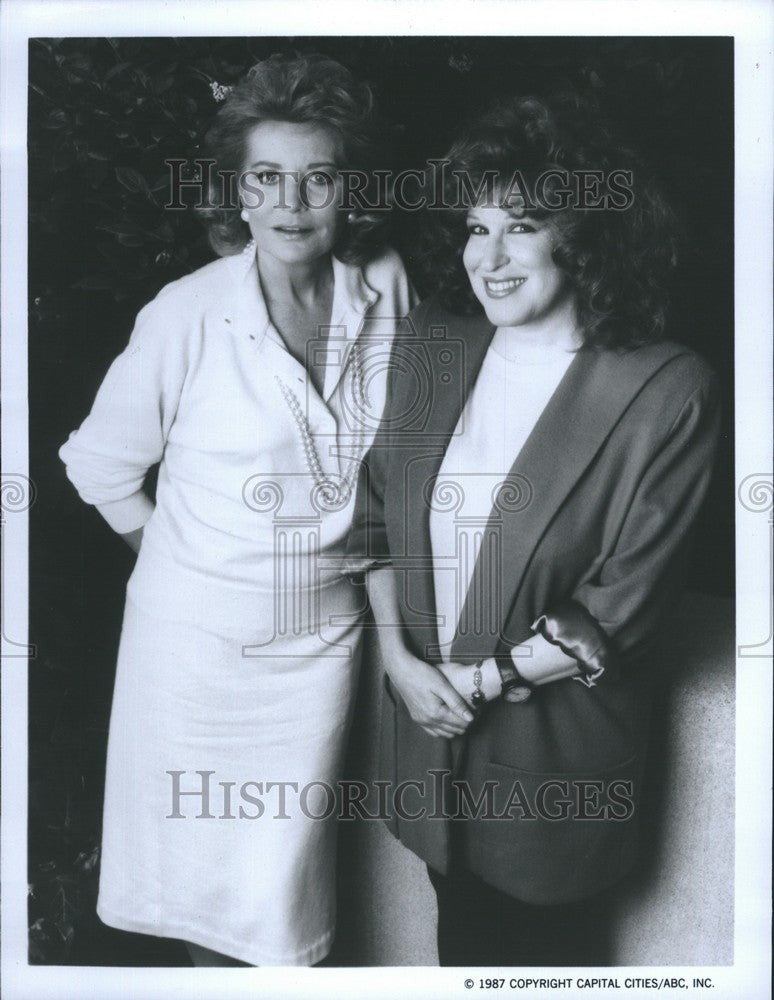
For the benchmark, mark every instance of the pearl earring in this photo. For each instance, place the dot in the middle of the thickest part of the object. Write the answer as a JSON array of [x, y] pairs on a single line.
[[351, 218], [243, 215]]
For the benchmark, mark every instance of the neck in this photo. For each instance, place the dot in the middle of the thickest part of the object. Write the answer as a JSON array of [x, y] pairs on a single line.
[[558, 330], [294, 284]]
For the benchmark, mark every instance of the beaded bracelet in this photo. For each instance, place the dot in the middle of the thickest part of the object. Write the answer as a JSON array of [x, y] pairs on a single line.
[[478, 698]]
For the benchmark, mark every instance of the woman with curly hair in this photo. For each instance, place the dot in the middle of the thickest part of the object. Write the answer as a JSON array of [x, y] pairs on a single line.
[[250, 381], [522, 524]]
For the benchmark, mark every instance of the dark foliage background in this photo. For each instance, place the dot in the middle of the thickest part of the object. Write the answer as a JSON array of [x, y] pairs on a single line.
[[104, 114]]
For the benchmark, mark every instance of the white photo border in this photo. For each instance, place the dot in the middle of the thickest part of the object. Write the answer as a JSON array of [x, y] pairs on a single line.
[[751, 23]]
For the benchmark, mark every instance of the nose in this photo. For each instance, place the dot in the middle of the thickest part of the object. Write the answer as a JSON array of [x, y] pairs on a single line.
[[495, 254], [293, 194]]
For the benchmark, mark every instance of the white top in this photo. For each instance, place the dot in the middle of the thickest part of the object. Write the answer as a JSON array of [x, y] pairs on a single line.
[[513, 387], [234, 462]]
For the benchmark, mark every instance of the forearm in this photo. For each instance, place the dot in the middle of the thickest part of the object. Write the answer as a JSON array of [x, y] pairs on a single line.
[[431, 699], [382, 586], [540, 662], [128, 517]]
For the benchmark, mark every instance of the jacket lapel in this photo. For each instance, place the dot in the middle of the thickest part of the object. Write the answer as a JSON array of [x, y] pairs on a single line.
[[593, 395], [455, 352]]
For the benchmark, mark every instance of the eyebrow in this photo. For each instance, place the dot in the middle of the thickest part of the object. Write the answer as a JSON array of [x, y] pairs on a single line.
[[277, 166], [514, 213]]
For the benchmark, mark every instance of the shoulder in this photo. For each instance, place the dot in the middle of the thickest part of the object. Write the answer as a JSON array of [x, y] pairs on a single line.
[[666, 368], [194, 293], [385, 266], [171, 325], [386, 274], [432, 320], [669, 386]]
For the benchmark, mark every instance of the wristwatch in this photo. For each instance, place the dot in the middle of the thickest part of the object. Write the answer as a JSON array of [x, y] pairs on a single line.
[[515, 688]]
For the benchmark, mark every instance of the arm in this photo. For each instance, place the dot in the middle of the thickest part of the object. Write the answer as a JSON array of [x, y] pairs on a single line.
[[536, 659], [627, 597], [431, 700], [108, 457], [367, 545], [618, 608]]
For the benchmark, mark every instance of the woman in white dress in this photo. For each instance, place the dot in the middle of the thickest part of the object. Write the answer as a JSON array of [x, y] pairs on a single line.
[[257, 383]]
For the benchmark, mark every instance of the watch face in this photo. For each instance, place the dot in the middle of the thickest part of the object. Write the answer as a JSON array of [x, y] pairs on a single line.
[[517, 694]]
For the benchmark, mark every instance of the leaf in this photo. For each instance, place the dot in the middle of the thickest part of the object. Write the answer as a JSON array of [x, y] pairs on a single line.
[[124, 228], [130, 240], [45, 942], [87, 861], [38, 90], [132, 180], [55, 119], [115, 70]]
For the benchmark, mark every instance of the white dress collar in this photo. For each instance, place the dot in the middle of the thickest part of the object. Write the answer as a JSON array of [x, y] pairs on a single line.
[[246, 315], [352, 295]]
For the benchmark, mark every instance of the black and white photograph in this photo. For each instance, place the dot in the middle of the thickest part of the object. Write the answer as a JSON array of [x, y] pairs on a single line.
[[387, 499]]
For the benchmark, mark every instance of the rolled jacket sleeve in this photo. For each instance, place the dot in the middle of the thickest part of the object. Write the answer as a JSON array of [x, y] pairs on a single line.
[[108, 457], [618, 611], [577, 633]]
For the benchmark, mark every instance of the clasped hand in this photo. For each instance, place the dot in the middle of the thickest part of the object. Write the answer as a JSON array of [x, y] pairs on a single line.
[[437, 698]]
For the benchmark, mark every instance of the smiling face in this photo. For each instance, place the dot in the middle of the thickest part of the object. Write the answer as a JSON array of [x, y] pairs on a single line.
[[511, 269], [291, 190]]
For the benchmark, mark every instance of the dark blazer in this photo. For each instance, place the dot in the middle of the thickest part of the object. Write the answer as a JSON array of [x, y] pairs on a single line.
[[594, 517]]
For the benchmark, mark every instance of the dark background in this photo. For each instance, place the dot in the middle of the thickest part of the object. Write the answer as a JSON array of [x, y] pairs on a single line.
[[104, 114]]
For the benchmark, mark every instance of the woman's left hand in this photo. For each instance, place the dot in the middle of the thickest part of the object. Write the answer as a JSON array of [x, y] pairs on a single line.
[[460, 676]]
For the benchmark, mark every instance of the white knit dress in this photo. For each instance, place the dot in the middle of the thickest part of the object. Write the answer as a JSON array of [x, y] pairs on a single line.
[[237, 662]]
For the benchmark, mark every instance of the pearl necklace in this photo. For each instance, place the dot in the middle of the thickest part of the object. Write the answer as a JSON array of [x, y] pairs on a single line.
[[333, 494]]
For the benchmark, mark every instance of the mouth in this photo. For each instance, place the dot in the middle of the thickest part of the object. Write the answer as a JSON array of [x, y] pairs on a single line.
[[499, 289], [293, 232]]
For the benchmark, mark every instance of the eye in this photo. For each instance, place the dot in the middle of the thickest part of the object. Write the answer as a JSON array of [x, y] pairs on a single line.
[[476, 229], [521, 227], [319, 179], [267, 177]]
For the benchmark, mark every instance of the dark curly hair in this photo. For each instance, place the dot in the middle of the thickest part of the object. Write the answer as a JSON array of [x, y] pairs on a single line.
[[299, 89], [619, 260]]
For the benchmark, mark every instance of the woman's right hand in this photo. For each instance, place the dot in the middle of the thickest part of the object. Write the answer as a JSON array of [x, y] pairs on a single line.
[[430, 699]]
